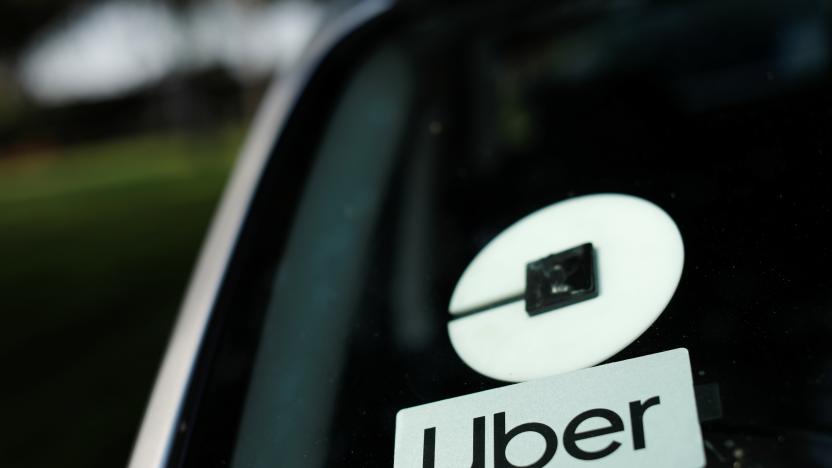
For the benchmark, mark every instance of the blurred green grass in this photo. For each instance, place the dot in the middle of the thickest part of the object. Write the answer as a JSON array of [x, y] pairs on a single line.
[[96, 245]]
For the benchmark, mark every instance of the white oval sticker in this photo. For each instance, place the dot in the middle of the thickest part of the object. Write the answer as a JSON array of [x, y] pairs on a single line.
[[566, 287]]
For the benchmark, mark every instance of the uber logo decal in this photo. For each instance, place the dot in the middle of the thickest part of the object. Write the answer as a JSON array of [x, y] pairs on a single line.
[[566, 287], [638, 413]]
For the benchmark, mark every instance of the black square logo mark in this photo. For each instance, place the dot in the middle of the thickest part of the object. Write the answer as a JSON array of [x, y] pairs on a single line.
[[561, 279]]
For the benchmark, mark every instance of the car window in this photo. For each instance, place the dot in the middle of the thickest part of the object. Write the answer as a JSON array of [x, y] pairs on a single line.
[[457, 125]]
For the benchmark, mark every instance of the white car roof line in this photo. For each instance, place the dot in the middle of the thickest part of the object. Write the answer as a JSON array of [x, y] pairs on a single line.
[[152, 446]]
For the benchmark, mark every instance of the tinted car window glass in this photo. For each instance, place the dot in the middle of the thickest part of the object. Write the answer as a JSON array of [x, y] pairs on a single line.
[[462, 123]]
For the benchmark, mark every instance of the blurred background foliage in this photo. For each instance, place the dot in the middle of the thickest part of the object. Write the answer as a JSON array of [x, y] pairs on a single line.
[[119, 123]]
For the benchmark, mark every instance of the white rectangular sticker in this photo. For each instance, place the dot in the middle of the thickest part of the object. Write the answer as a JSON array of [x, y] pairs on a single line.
[[638, 413]]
